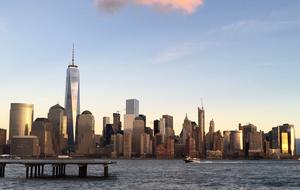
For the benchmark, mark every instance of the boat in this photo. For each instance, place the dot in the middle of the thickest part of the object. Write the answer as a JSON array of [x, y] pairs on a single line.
[[191, 160], [64, 157]]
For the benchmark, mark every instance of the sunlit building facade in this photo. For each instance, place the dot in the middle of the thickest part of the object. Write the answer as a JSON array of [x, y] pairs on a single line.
[[72, 100], [21, 118]]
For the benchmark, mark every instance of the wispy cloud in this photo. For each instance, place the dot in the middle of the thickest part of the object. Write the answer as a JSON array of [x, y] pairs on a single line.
[[260, 25], [184, 50], [185, 6], [174, 53]]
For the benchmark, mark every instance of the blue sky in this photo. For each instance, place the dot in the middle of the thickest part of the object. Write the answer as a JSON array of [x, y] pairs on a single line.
[[241, 57]]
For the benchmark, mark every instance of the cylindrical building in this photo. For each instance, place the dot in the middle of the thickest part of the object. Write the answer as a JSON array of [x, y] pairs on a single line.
[[20, 121], [236, 141]]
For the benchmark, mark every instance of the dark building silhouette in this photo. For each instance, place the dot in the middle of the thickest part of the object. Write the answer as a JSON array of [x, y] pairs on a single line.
[[156, 126]]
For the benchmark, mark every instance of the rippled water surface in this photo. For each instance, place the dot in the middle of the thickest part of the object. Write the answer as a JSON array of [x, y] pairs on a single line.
[[167, 174]]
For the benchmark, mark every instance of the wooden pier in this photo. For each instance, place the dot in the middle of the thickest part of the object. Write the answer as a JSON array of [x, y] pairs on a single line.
[[35, 167]]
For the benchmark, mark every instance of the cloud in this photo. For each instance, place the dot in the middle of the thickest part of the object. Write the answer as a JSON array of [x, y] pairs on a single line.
[[110, 6], [185, 6], [266, 26]]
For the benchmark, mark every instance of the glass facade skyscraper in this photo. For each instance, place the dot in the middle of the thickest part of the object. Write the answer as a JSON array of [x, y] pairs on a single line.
[[72, 100]]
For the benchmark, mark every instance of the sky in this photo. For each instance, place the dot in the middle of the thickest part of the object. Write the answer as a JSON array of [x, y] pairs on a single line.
[[241, 57]]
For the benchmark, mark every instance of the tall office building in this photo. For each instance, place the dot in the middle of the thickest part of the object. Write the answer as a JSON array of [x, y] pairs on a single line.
[[156, 125], [138, 130], [85, 134], [43, 129], [105, 121], [128, 122], [201, 123], [211, 126], [283, 138], [21, 118], [57, 116], [187, 130], [127, 147], [132, 107], [2, 137], [117, 125], [72, 99], [168, 120], [162, 129]]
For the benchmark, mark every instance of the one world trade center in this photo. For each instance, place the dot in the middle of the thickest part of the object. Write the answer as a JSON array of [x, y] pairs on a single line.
[[72, 100]]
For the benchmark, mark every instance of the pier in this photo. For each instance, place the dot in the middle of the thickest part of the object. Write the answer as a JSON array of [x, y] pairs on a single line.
[[35, 168]]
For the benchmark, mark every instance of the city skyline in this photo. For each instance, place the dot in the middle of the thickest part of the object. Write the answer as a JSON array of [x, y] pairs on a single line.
[[179, 76]]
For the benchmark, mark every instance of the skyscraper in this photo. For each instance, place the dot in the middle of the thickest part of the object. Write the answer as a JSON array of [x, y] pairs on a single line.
[[132, 107], [117, 125], [201, 123], [105, 121], [72, 99], [43, 129], [58, 118], [169, 121], [21, 118], [85, 134]]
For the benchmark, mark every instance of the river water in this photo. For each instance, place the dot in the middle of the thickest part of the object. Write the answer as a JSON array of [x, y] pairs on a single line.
[[167, 174]]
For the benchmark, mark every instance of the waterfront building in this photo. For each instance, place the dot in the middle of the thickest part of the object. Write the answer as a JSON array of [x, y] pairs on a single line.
[[218, 141], [132, 107], [190, 147], [209, 136], [247, 130], [256, 144], [109, 131], [25, 146], [162, 129], [72, 100], [236, 143], [128, 122], [138, 130], [283, 138], [160, 151], [187, 130], [117, 125], [20, 119], [168, 121], [2, 137], [170, 147], [85, 134], [105, 121], [226, 143], [201, 124], [118, 145], [127, 151], [146, 145], [156, 127], [57, 116], [43, 129]]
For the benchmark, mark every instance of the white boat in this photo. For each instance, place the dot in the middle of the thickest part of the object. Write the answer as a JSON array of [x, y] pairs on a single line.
[[191, 160], [64, 157]]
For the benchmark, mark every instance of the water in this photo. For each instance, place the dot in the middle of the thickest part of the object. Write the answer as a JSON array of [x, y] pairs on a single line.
[[168, 174]]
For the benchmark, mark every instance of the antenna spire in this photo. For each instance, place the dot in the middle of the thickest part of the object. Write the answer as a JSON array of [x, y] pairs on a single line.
[[73, 59], [202, 102]]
